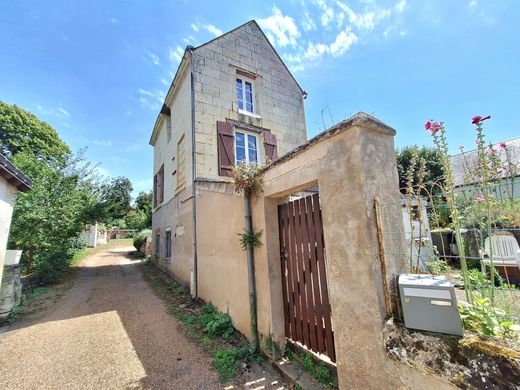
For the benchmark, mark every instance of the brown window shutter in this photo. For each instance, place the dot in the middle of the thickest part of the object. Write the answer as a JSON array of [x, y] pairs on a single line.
[[271, 149], [155, 190], [161, 184], [226, 148]]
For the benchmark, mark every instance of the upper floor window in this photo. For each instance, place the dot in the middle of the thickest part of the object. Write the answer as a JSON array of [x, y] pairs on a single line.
[[246, 147], [245, 95]]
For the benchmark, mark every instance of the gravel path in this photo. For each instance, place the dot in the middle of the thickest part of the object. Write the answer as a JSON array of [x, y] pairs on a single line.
[[109, 331]]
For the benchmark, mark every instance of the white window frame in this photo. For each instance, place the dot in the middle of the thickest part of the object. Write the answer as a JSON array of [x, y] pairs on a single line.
[[246, 134], [244, 110]]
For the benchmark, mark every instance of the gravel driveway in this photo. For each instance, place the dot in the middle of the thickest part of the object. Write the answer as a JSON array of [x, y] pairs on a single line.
[[109, 331]]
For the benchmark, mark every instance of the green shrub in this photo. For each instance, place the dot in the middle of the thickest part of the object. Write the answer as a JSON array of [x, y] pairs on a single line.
[[141, 237], [225, 363], [215, 323], [437, 267]]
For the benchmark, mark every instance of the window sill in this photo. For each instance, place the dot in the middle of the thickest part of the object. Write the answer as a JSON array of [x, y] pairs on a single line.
[[180, 188], [253, 115]]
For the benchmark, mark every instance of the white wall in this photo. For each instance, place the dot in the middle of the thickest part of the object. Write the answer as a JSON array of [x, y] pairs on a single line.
[[7, 198]]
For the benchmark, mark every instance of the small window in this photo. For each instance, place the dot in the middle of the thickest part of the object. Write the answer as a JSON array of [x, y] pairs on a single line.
[[245, 95], [168, 245], [157, 244], [246, 147]]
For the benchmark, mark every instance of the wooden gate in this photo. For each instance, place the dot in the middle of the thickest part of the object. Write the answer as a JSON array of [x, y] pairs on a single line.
[[305, 294]]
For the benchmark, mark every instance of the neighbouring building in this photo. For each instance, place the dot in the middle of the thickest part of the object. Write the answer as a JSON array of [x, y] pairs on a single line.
[[11, 182], [506, 154]]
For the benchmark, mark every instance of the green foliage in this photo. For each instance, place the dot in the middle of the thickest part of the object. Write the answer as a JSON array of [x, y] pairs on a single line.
[[140, 238], [271, 347], [143, 202], [225, 363], [47, 221], [481, 317], [225, 360], [116, 200], [250, 240], [23, 132], [318, 371], [433, 168], [135, 219], [437, 267], [178, 289], [215, 323]]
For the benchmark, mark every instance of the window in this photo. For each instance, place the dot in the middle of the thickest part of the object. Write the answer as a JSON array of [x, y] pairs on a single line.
[[246, 147], [157, 244], [181, 163], [168, 245], [245, 95], [158, 187]]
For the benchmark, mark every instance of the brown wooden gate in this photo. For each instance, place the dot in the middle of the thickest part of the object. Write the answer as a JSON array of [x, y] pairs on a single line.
[[305, 293]]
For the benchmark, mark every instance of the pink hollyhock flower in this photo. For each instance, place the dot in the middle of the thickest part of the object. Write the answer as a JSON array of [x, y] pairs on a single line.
[[477, 119], [503, 145], [479, 198], [427, 125], [436, 126]]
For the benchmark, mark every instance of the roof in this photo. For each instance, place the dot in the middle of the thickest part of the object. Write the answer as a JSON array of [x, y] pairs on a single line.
[[461, 162], [361, 119], [183, 63], [13, 175]]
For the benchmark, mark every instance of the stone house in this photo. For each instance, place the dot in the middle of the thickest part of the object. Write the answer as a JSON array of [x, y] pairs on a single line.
[[232, 99], [319, 279]]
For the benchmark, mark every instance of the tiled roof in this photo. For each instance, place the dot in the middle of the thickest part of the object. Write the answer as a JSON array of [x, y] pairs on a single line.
[[13, 175]]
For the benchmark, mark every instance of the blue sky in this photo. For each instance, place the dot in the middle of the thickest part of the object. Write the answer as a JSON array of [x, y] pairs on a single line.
[[98, 71]]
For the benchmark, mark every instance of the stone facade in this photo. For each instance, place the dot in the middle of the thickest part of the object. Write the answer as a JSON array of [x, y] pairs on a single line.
[[202, 93]]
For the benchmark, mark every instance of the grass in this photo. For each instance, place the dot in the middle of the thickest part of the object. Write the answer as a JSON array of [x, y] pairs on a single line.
[[204, 325], [319, 371]]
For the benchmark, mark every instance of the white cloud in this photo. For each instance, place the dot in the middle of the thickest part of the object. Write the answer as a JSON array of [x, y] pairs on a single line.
[[165, 82], [280, 29], [102, 142], [473, 3], [194, 27], [114, 20], [153, 57], [343, 41], [400, 6], [308, 23], [59, 112], [176, 54], [212, 29], [151, 99], [369, 18]]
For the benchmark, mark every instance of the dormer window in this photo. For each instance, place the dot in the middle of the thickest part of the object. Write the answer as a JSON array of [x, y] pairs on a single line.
[[245, 95]]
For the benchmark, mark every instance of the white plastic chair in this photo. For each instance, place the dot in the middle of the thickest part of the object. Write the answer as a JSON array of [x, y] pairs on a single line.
[[503, 249]]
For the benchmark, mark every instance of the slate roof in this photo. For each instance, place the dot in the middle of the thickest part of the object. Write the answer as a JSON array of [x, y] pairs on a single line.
[[13, 175], [461, 161]]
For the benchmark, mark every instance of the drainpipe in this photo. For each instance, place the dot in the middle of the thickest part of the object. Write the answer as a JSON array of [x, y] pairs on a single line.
[[193, 281], [251, 273]]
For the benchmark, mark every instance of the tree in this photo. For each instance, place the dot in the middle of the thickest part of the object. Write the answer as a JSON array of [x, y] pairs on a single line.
[[21, 131], [434, 173], [48, 220], [116, 199], [143, 202]]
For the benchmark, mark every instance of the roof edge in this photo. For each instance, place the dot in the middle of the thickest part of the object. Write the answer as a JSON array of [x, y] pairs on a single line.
[[13, 175]]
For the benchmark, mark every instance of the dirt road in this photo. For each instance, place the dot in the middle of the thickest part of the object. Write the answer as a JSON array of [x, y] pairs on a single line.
[[109, 331]]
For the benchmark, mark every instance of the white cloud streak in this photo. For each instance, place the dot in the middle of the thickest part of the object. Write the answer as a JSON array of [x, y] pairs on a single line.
[[281, 30]]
